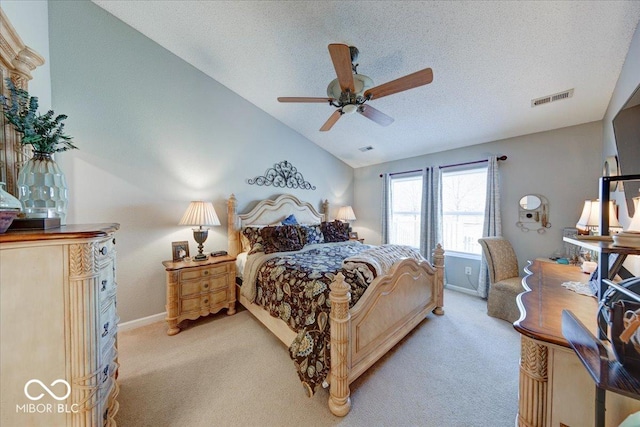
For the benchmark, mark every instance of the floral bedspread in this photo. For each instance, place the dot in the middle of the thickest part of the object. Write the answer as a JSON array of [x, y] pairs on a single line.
[[294, 286]]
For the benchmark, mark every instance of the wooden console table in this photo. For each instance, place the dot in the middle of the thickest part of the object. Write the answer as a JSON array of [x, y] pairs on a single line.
[[555, 389]]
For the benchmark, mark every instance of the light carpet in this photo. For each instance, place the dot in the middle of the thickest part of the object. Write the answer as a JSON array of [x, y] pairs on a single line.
[[460, 369]]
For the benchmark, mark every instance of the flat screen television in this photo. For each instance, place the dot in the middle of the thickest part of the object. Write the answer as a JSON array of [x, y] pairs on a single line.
[[626, 127]]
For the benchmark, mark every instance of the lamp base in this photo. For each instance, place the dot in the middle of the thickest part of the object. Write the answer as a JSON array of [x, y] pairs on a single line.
[[199, 257]]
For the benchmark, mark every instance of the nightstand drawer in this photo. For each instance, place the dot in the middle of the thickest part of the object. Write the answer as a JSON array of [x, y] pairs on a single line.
[[194, 304], [197, 273], [194, 287], [218, 297]]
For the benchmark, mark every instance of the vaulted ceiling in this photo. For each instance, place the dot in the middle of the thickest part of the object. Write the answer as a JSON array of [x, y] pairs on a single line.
[[490, 59]]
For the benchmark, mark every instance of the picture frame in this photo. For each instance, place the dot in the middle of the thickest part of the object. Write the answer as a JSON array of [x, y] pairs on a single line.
[[180, 250], [353, 235]]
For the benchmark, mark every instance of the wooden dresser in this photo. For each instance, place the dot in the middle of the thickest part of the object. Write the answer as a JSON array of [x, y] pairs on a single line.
[[555, 389], [58, 349]]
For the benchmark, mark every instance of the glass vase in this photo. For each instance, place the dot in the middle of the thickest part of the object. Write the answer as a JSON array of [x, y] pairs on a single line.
[[42, 188]]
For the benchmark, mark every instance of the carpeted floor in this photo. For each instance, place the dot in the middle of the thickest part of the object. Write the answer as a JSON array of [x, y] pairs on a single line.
[[460, 369]]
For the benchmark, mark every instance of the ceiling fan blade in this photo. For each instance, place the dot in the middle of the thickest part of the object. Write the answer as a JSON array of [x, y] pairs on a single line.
[[303, 99], [376, 115], [332, 121], [341, 57], [419, 78]]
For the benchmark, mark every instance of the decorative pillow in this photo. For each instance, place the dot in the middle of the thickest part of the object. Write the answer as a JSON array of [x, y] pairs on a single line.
[[290, 220], [336, 231], [255, 239], [313, 234], [282, 238]]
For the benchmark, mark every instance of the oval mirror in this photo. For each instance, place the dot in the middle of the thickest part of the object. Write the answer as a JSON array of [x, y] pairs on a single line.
[[530, 202]]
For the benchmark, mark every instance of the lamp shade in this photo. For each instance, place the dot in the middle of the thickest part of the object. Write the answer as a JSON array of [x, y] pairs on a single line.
[[590, 217], [635, 221], [345, 213], [200, 213]]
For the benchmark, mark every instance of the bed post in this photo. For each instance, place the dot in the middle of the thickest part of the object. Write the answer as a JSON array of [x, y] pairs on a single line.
[[438, 263], [325, 210], [232, 232], [340, 322]]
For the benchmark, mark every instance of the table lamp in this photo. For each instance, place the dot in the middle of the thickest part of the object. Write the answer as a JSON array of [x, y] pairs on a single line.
[[345, 214], [589, 221], [200, 214]]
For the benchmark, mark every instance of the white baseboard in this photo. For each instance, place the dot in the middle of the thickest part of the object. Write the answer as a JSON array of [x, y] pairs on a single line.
[[462, 289], [133, 324]]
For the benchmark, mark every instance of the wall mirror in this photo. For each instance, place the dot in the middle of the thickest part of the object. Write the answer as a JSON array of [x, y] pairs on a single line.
[[533, 213], [16, 62], [626, 127]]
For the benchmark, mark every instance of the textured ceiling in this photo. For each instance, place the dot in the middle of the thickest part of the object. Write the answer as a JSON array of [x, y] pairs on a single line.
[[489, 60]]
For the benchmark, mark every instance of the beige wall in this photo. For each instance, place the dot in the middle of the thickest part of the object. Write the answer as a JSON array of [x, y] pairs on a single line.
[[563, 165], [155, 133]]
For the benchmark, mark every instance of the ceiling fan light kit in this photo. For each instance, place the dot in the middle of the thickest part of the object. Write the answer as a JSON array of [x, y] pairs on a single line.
[[350, 91]]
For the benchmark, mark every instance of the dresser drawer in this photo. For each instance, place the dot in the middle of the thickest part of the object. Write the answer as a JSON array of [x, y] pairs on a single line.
[[106, 380], [108, 323], [106, 249], [106, 282]]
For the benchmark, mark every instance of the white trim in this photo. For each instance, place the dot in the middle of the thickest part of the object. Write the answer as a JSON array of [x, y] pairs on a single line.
[[462, 289], [137, 323]]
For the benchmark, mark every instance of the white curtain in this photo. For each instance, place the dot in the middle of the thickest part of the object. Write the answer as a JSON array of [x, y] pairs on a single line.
[[386, 211], [492, 220], [431, 227]]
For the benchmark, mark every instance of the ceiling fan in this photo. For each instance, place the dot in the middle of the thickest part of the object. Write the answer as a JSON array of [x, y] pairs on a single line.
[[350, 91]]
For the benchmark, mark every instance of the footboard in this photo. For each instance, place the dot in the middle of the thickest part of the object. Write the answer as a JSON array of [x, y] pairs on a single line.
[[392, 306]]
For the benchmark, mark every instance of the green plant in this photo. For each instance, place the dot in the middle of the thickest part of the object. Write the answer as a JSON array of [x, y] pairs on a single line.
[[43, 132]]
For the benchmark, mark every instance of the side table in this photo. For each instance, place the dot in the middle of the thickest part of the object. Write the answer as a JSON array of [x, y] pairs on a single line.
[[198, 288]]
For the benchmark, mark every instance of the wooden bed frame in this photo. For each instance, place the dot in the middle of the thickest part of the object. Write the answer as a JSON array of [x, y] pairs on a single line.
[[390, 308]]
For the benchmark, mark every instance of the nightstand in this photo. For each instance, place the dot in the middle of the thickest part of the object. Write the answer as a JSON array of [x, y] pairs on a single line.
[[197, 288]]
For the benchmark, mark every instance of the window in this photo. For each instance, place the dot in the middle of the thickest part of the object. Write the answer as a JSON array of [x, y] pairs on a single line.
[[406, 209], [463, 200]]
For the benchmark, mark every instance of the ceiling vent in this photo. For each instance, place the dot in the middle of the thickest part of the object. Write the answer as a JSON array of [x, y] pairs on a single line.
[[367, 148], [551, 98]]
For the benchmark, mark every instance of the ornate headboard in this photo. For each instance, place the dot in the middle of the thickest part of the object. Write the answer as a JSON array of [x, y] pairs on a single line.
[[16, 62], [268, 212]]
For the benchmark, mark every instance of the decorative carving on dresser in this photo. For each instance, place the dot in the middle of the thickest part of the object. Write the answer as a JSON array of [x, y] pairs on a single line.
[[533, 384], [82, 259]]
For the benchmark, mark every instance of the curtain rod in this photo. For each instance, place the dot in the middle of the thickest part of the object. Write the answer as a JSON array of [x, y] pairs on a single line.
[[402, 173], [471, 163], [445, 166]]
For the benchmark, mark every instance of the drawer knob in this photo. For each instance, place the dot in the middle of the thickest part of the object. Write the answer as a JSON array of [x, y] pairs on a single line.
[[206, 285], [103, 250], [104, 286], [206, 272], [106, 329], [206, 301]]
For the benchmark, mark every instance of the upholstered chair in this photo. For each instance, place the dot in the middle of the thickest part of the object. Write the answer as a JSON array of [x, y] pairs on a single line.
[[504, 278]]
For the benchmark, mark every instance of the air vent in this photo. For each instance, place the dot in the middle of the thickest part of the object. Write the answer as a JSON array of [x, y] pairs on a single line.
[[367, 148], [551, 98]]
